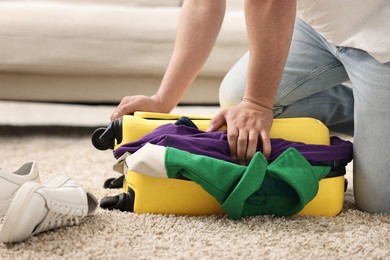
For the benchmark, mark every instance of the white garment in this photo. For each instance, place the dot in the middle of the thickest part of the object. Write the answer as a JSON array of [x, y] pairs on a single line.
[[148, 160], [359, 24]]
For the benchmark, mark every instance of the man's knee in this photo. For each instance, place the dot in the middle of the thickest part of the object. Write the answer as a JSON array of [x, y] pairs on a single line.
[[372, 204], [233, 85], [372, 194], [227, 96]]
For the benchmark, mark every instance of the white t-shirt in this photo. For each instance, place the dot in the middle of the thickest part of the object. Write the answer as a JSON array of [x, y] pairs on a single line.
[[361, 24]]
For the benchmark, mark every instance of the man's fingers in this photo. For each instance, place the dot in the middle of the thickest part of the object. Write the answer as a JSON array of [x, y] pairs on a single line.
[[242, 146], [232, 135], [114, 116], [216, 122], [120, 111], [127, 106], [266, 142], [253, 139]]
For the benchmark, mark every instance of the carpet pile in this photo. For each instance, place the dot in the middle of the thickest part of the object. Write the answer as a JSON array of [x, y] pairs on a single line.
[[118, 235]]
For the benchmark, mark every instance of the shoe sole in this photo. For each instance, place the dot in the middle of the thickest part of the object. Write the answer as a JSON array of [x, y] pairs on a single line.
[[19, 204]]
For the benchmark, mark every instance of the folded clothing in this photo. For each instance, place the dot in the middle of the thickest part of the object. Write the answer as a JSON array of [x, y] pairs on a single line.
[[281, 188], [214, 144]]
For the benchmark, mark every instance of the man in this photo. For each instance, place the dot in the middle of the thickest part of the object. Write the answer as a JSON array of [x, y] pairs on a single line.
[[296, 67]]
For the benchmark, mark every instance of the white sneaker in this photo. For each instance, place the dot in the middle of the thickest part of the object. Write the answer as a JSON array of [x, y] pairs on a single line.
[[10, 182], [38, 207]]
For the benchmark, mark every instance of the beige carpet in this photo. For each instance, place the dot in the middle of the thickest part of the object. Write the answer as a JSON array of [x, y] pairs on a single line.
[[116, 235]]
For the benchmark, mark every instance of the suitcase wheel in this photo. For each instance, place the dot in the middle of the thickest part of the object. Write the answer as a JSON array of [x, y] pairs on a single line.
[[114, 183], [101, 140], [122, 202]]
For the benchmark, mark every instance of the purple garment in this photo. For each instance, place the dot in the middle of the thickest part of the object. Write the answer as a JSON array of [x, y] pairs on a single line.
[[214, 144]]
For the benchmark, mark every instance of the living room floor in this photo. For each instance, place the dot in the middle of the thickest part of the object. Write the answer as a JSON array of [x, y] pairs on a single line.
[[16, 113]]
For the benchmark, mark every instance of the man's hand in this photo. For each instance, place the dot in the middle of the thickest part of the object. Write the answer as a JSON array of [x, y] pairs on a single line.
[[130, 104], [247, 123], [269, 26]]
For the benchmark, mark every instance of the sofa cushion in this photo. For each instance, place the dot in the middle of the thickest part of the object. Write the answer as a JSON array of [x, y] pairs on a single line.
[[149, 3], [63, 38], [234, 4]]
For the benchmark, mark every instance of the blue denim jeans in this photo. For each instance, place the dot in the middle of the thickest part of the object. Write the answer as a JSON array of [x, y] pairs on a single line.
[[312, 85]]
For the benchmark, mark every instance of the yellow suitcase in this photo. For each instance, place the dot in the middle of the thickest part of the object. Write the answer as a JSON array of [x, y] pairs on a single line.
[[173, 196]]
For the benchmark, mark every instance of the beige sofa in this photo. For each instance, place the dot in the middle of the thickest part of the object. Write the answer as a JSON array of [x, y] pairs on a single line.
[[97, 51]]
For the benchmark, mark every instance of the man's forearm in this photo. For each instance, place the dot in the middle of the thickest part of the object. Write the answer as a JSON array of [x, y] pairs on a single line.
[[199, 24], [270, 25]]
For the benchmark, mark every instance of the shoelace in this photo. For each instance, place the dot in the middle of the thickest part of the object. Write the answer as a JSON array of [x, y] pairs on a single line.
[[60, 216]]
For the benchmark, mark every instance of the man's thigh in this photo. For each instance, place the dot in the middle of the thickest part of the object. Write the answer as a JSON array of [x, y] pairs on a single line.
[[311, 66], [312, 86]]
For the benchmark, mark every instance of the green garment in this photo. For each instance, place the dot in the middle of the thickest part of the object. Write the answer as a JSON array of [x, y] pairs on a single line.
[[282, 188]]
